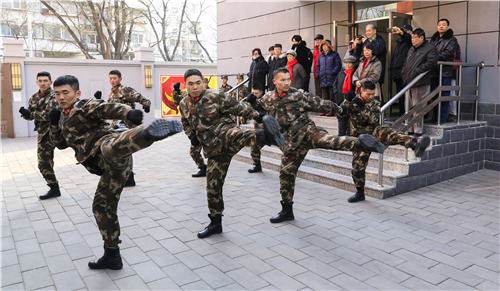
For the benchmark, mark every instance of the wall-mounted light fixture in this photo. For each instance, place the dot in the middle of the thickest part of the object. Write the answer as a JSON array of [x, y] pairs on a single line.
[[148, 73], [15, 72]]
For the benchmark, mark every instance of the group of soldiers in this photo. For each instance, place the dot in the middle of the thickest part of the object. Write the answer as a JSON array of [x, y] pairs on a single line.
[[208, 119]]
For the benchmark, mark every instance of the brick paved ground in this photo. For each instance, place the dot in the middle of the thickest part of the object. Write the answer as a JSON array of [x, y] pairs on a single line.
[[445, 236]]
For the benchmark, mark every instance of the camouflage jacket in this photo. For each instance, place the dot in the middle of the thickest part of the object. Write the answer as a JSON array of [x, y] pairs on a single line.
[[84, 126], [291, 112], [40, 105], [127, 95], [209, 117], [366, 120], [242, 92], [226, 88]]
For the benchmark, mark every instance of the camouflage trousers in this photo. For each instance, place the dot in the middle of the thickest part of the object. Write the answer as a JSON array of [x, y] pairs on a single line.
[[195, 152], [233, 140], [292, 158], [45, 154], [385, 135], [113, 163], [255, 153]]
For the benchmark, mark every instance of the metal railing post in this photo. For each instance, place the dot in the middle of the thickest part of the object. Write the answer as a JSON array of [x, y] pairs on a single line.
[[477, 92], [237, 97], [381, 157], [407, 108], [439, 96], [459, 93]]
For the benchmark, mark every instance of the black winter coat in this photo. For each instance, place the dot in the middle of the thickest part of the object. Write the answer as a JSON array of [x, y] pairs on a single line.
[[328, 67], [419, 60], [275, 63], [258, 71], [379, 42], [304, 56], [446, 47], [399, 56], [337, 88]]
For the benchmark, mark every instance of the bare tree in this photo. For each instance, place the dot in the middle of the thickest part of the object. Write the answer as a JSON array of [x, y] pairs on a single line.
[[194, 25]]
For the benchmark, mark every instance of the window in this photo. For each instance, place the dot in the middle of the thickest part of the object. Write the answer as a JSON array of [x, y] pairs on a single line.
[[37, 31], [67, 35], [5, 30], [137, 38], [54, 31], [17, 4]]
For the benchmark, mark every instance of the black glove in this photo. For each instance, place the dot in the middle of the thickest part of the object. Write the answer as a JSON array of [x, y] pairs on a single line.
[[25, 112], [344, 109], [177, 87], [350, 95], [259, 117], [135, 116], [98, 94], [54, 116], [358, 102], [146, 108], [251, 98], [194, 140]]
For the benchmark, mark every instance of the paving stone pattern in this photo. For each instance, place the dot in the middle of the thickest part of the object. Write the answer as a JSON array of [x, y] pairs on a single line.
[[444, 236]]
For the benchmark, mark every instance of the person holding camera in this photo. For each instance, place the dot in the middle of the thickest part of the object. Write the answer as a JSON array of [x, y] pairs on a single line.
[[403, 44], [380, 45]]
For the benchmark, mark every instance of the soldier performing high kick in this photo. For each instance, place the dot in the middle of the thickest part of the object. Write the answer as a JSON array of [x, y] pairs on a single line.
[[290, 107], [194, 151], [124, 95], [364, 115], [206, 117], [39, 106], [103, 152]]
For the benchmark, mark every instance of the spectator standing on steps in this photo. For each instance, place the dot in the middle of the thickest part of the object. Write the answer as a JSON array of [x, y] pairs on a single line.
[[279, 60], [403, 44], [328, 66], [258, 69], [381, 49], [297, 72], [304, 56], [316, 53]]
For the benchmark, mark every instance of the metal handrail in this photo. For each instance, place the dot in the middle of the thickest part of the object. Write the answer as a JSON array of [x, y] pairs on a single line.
[[425, 99], [237, 88]]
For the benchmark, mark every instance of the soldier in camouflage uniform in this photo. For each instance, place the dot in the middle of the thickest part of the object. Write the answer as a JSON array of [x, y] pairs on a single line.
[[124, 95], [364, 115], [225, 86], [194, 151], [257, 90], [39, 106], [290, 107], [103, 152], [205, 83], [206, 117]]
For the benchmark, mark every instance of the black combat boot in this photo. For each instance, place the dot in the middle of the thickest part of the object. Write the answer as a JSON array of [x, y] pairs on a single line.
[[369, 143], [53, 192], [201, 173], [130, 181], [271, 132], [214, 227], [286, 213], [359, 196], [419, 146], [256, 169], [162, 128], [110, 260]]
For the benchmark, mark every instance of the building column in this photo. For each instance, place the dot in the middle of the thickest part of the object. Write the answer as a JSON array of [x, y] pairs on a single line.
[[145, 56]]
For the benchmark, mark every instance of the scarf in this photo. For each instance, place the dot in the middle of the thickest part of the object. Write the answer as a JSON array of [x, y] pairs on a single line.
[[365, 63], [348, 81], [289, 65]]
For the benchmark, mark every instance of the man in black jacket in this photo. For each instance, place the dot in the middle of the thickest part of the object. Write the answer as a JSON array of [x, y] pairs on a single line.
[[398, 59], [379, 42], [446, 44], [304, 57], [278, 60], [422, 57], [258, 69]]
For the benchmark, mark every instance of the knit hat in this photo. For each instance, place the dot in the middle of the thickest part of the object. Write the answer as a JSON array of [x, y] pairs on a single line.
[[292, 52], [349, 59]]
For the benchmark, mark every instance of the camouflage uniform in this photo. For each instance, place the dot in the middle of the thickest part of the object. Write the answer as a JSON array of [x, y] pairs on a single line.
[[129, 96], [194, 151], [242, 92], [39, 105], [300, 132], [209, 117], [103, 152], [367, 121], [226, 88]]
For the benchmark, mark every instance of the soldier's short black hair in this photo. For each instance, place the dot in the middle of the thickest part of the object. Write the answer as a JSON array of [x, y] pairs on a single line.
[[72, 81], [192, 72], [368, 85], [44, 74], [115, 72], [258, 86], [419, 32], [297, 38], [280, 70]]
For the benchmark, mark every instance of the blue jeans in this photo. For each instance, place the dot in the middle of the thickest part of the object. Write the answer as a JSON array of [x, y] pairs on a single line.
[[446, 81]]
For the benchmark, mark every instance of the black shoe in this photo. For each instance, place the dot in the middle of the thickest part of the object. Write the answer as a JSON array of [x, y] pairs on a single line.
[[286, 213], [214, 227], [369, 143], [359, 196], [256, 169], [411, 133], [110, 260], [53, 192], [201, 173], [451, 118], [130, 180], [272, 132], [420, 146], [162, 128]]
